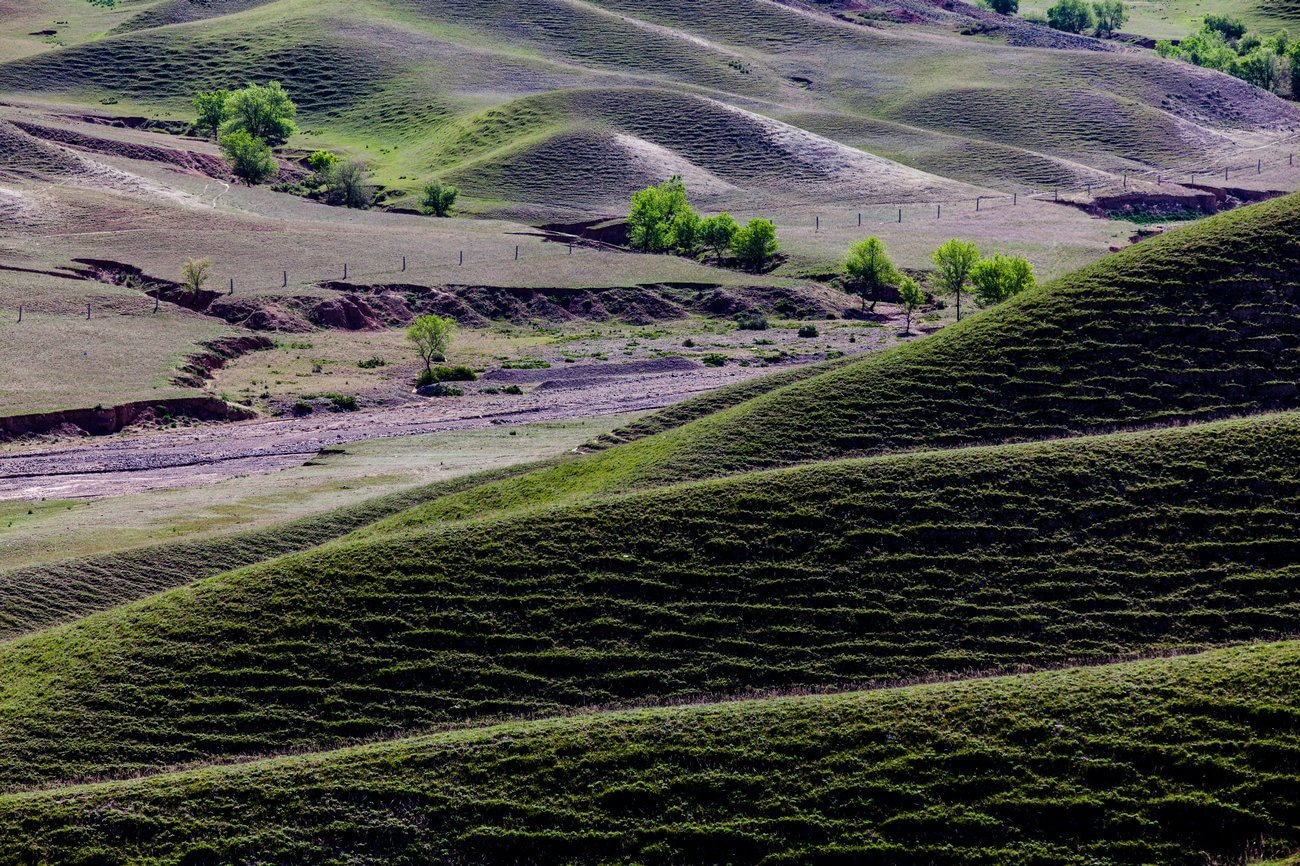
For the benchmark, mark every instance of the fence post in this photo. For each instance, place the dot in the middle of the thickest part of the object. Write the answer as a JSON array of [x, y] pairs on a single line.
[[516, 252], [155, 302], [900, 216], [462, 257], [20, 312], [818, 227], [232, 285], [1056, 194], [938, 211], [87, 312], [284, 279], [1259, 169], [1225, 172], [1159, 180], [1015, 199], [403, 263], [1126, 180], [345, 270], [979, 199], [859, 219]]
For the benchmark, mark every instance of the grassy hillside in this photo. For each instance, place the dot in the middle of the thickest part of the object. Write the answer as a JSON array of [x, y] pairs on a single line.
[[1201, 323], [1178, 762], [854, 572], [495, 94]]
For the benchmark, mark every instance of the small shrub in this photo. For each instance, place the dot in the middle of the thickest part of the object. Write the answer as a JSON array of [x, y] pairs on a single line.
[[438, 389], [512, 389], [688, 343], [808, 330], [526, 364], [714, 359], [751, 322], [343, 402], [372, 363], [301, 408]]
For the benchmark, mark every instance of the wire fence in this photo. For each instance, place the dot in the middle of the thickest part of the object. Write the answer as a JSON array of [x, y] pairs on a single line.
[[861, 212]]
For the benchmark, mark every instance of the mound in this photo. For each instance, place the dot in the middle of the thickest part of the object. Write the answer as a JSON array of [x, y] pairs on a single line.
[[1183, 761], [840, 573], [181, 11]]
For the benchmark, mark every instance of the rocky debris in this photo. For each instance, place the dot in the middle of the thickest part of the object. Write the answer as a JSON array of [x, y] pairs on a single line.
[[278, 315], [578, 375], [199, 367], [102, 421], [1205, 200], [346, 313]]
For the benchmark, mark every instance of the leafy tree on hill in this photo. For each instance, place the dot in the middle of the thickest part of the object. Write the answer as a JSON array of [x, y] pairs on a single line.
[[1000, 277], [250, 158], [755, 244], [210, 108], [1070, 16], [194, 275], [438, 199], [264, 111], [321, 163], [717, 233], [654, 213], [869, 270], [1111, 16], [911, 297], [1229, 28], [1004, 7], [431, 336], [686, 230], [955, 259]]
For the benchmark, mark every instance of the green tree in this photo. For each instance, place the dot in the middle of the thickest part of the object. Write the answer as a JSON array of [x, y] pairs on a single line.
[[868, 270], [954, 260], [264, 111], [1004, 7], [654, 213], [686, 231], [431, 336], [910, 297], [717, 233], [322, 163], [1000, 277], [210, 106], [1111, 16], [755, 244], [1229, 28], [348, 183], [250, 158], [195, 274], [1071, 16], [438, 198]]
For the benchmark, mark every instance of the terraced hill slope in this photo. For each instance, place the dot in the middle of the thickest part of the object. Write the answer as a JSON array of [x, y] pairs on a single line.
[[1166, 761], [850, 572], [507, 98]]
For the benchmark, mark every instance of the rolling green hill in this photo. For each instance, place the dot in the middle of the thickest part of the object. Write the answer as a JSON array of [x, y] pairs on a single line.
[[1171, 761], [840, 573], [496, 95]]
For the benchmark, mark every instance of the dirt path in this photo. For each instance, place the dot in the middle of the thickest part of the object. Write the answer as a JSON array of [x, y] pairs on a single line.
[[133, 463]]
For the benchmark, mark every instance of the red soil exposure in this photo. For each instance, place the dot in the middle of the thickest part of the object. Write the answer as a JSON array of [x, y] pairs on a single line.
[[199, 368], [101, 421], [207, 164]]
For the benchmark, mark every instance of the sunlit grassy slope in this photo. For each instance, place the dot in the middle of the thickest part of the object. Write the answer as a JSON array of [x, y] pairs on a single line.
[[1167, 761], [496, 94], [849, 572], [1201, 323]]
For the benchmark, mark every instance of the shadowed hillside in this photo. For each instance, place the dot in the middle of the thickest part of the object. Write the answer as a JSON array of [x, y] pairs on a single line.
[[1166, 761], [852, 572]]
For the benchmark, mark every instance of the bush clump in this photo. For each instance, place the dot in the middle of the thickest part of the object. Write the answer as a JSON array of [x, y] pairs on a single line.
[[714, 359], [751, 322], [434, 375], [808, 331]]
